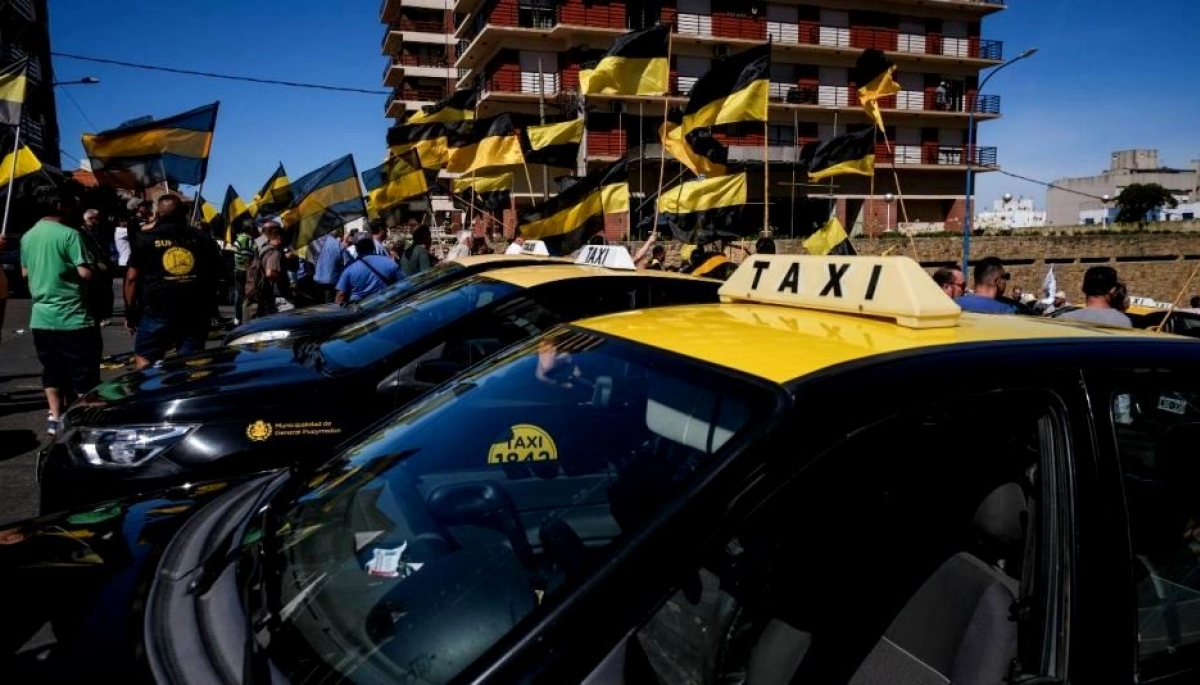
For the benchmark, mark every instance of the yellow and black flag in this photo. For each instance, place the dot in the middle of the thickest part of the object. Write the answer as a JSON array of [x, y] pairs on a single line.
[[638, 63], [327, 199], [275, 196], [233, 213], [736, 89], [671, 137], [553, 144], [28, 175], [487, 193], [568, 219], [457, 107], [208, 213], [393, 182], [852, 153], [431, 141], [490, 143], [12, 91], [873, 76], [700, 212], [830, 239]]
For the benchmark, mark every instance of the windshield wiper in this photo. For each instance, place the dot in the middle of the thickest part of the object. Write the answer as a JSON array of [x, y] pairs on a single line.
[[225, 552]]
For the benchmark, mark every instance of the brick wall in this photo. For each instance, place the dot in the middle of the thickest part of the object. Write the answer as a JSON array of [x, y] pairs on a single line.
[[1152, 265]]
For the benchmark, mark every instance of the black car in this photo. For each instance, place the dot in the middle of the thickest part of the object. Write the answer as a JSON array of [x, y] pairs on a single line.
[[702, 494], [321, 320], [245, 408]]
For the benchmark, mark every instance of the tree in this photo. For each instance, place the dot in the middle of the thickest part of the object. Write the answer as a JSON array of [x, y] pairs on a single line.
[[1139, 199]]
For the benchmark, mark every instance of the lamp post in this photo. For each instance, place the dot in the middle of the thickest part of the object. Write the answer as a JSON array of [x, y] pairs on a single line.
[[85, 81], [966, 257], [1104, 217], [888, 198]]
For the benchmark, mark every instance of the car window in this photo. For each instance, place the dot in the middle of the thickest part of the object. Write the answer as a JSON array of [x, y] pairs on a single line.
[[404, 287], [1157, 425], [447, 523], [900, 554], [373, 339]]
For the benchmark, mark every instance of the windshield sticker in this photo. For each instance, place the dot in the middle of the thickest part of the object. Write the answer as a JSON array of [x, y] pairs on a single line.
[[1172, 404], [390, 563], [261, 431], [523, 442]]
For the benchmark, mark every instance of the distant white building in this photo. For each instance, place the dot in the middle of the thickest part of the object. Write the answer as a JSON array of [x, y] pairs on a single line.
[[1186, 210], [1009, 212]]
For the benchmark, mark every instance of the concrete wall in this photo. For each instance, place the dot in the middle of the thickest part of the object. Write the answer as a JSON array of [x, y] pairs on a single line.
[[1063, 205], [1153, 265]]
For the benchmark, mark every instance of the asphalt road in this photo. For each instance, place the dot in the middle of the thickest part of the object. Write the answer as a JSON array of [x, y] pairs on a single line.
[[23, 404]]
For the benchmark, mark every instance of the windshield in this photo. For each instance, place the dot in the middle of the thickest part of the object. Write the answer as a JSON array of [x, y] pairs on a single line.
[[424, 544], [368, 341], [406, 286]]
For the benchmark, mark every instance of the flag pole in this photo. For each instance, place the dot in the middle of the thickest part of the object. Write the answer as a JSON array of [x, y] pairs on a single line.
[[196, 203], [542, 121], [662, 167], [795, 162], [871, 192], [912, 242], [767, 153], [12, 177]]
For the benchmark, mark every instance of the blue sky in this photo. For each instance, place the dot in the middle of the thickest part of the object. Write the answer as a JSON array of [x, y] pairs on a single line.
[[1108, 75]]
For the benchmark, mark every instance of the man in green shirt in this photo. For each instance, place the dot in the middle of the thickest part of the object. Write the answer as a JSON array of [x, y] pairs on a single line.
[[58, 267]]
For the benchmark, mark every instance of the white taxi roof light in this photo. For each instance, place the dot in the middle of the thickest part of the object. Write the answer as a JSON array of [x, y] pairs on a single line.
[[607, 256], [536, 247], [888, 287]]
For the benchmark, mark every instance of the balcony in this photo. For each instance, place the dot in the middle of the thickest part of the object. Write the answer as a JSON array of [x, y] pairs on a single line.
[[10, 54], [25, 8], [408, 98], [389, 11], [750, 149], [416, 31]]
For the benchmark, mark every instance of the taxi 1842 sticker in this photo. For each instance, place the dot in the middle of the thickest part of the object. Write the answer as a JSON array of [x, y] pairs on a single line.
[[261, 431], [524, 442]]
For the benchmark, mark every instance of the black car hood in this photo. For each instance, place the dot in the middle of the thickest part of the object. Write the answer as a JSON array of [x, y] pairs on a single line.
[[243, 370], [302, 320], [81, 577]]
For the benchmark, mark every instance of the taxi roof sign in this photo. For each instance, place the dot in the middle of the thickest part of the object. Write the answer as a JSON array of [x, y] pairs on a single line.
[[888, 287], [535, 247], [608, 256]]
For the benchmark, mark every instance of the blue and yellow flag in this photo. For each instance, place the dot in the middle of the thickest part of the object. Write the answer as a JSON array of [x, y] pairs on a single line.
[[275, 196], [393, 182], [326, 199], [141, 155], [12, 92]]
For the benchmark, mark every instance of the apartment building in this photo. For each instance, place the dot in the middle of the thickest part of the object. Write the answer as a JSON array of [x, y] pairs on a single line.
[[25, 32], [525, 56], [419, 43]]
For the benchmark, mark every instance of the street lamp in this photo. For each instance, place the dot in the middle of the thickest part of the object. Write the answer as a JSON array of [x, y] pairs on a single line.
[[1104, 217], [86, 80], [888, 198], [971, 151]]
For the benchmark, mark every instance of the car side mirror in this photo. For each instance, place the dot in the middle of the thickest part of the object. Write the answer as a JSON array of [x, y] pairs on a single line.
[[436, 371]]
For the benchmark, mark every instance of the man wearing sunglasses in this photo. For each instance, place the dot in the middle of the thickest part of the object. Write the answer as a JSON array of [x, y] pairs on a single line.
[[991, 280]]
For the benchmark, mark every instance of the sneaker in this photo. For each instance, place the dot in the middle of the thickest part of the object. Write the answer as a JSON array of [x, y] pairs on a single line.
[[52, 425]]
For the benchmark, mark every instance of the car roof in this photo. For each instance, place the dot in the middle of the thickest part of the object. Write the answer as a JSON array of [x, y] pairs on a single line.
[[530, 276], [782, 344], [489, 261]]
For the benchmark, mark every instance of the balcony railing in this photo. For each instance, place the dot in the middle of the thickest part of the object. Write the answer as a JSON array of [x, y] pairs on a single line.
[[25, 8], [434, 60], [422, 25], [10, 54]]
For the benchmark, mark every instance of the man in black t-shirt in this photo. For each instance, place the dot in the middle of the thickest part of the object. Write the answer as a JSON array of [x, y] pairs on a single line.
[[169, 285]]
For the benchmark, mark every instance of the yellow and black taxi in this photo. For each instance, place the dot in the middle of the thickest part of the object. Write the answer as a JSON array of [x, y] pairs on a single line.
[[831, 476], [249, 407], [321, 320]]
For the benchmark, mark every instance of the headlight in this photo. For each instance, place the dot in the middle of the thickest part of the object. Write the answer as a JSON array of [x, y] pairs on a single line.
[[260, 337], [124, 446]]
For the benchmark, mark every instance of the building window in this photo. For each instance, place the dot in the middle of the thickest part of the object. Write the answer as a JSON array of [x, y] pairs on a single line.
[[536, 14]]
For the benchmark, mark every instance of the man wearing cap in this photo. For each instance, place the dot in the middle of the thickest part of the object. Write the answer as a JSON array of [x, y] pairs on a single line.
[[1101, 287], [991, 280]]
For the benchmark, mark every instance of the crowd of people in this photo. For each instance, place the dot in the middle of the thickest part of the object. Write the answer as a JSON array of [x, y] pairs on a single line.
[[1105, 296]]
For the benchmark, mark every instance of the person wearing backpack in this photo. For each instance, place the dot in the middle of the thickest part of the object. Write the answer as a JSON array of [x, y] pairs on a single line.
[[367, 274], [266, 276]]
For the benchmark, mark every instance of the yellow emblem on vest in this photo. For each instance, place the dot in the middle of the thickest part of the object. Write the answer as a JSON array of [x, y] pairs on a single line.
[[178, 261], [259, 431]]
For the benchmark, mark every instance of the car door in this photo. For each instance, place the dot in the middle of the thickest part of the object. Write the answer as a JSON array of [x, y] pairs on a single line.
[[804, 557], [1147, 417]]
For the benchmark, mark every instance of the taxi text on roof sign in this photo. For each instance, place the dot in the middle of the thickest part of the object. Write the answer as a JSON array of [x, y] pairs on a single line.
[[890, 287], [608, 256], [535, 247]]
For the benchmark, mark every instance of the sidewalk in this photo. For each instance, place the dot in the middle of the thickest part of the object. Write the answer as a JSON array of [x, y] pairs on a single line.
[[23, 404]]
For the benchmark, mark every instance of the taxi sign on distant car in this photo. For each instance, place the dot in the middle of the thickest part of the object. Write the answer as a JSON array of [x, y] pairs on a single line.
[[889, 287], [608, 256], [535, 247]]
